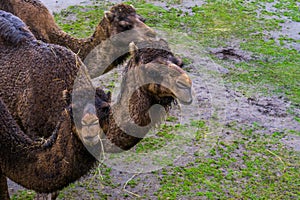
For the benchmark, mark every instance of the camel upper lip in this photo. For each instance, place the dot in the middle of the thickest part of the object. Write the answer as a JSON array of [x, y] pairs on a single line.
[[186, 102], [184, 96], [90, 139]]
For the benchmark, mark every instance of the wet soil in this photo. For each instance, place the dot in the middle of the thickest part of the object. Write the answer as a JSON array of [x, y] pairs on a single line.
[[289, 28], [231, 53], [215, 100]]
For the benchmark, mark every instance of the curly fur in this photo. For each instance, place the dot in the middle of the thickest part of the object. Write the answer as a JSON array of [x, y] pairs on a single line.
[[120, 18], [33, 78], [13, 31]]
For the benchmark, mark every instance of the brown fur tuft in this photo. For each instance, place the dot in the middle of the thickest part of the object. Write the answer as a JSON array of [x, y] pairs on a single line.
[[12, 30], [121, 11]]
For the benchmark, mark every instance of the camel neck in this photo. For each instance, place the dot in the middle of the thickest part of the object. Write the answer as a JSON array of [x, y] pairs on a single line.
[[80, 46], [11, 137], [42, 168], [130, 118]]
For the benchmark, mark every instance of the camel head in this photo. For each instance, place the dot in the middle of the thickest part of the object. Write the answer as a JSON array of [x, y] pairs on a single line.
[[94, 117], [122, 17], [159, 72], [91, 115], [90, 131]]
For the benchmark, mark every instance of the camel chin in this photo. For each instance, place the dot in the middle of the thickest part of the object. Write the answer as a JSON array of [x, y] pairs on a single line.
[[91, 141], [90, 134], [185, 97]]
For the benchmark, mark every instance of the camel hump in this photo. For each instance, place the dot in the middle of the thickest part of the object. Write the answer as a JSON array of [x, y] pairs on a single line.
[[13, 30]]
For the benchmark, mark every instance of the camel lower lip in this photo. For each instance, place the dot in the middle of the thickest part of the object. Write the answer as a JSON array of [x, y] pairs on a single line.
[[186, 102], [91, 140]]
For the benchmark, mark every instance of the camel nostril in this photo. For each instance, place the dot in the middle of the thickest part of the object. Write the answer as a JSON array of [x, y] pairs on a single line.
[[89, 137], [151, 33], [181, 84]]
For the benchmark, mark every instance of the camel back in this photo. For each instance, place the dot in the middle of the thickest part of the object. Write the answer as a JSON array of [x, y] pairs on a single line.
[[13, 30]]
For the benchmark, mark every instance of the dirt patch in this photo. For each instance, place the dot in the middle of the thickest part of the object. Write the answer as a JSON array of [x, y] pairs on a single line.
[[231, 53], [292, 141], [289, 28], [58, 5], [276, 107]]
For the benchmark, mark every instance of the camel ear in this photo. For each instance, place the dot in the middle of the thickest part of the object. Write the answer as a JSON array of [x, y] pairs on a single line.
[[67, 97], [132, 48], [109, 16], [164, 42]]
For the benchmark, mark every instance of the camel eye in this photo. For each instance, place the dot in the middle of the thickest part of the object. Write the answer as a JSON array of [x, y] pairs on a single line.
[[176, 61], [93, 122], [142, 19], [125, 25], [174, 73]]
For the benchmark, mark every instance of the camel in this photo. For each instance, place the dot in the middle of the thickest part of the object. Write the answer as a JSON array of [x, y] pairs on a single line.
[[34, 74], [119, 19], [42, 166], [32, 105], [153, 76]]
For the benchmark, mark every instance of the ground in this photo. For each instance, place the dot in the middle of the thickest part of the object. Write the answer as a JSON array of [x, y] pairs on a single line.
[[240, 139]]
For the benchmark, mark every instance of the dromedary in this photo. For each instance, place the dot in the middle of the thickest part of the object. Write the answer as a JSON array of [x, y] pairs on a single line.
[[34, 78], [119, 19], [153, 76]]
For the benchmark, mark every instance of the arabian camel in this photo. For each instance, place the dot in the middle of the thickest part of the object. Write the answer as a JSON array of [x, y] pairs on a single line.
[[120, 18], [35, 75]]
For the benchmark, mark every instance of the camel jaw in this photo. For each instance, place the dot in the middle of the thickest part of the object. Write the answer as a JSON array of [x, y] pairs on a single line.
[[184, 96], [189, 102], [90, 141]]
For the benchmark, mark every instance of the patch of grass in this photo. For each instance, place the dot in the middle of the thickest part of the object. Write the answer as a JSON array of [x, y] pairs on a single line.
[[293, 132], [23, 195], [278, 67], [165, 134], [252, 166], [289, 9], [202, 129], [79, 21], [297, 119], [132, 183]]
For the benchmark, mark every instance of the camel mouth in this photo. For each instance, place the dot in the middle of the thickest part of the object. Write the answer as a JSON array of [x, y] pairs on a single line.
[[186, 102], [91, 140], [184, 96]]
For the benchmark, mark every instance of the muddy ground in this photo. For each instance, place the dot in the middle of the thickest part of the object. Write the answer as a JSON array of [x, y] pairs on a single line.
[[215, 101]]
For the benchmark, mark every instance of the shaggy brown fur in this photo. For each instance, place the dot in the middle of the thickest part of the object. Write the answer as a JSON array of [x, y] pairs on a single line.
[[43, 167], [34, 76], [120, 18]]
